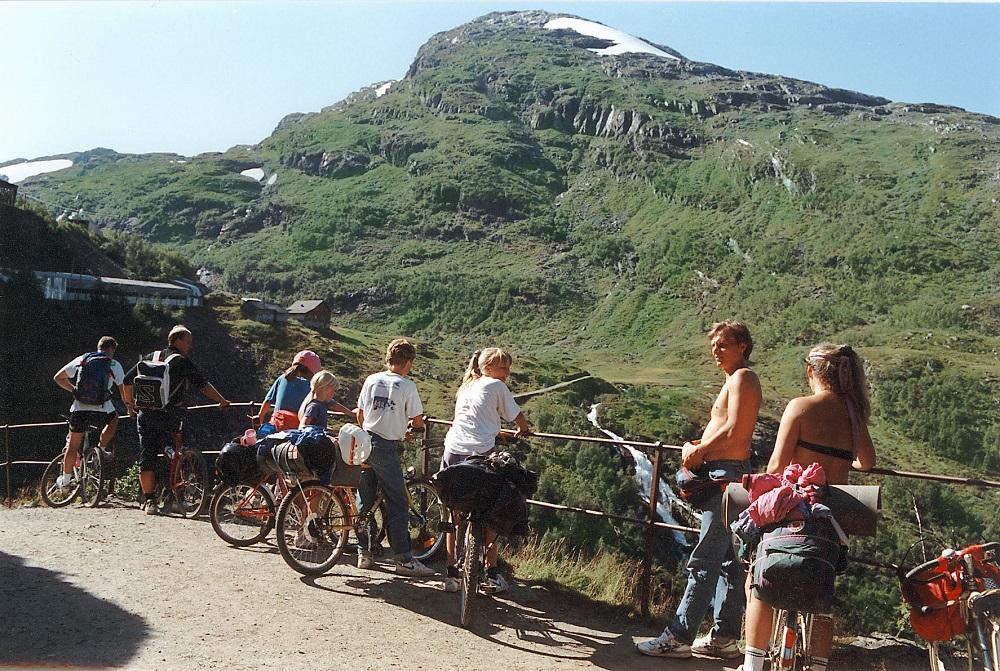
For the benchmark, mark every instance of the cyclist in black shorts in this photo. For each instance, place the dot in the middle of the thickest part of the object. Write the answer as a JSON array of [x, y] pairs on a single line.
[[91, 379], [156, 426]]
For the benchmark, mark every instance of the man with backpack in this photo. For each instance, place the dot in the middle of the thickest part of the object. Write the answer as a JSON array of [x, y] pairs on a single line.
[[155, 388], [91, 379]]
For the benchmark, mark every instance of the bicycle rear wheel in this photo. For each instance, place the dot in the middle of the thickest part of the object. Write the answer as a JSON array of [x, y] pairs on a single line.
[[312, 526], [789, 638], [242, 515], [191, 487], [426, 513], [472, 567], [91, 476], [52, 494]]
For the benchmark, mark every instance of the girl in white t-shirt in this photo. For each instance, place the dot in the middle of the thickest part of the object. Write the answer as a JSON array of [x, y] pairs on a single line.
[[483, 401]]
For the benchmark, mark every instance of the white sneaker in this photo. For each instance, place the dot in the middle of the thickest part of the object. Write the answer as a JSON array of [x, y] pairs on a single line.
[[724, 648], [365, 559], [495, 584], [65, 480], [413, 568], [665, 645]]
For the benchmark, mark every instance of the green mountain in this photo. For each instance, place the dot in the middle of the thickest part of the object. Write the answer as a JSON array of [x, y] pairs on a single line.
[[599, 211]]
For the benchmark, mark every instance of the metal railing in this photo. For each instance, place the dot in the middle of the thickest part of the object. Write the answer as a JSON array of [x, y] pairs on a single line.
[[650, 522]]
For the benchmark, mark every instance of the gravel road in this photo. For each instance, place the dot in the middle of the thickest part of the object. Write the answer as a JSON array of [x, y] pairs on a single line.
[[114, 588]]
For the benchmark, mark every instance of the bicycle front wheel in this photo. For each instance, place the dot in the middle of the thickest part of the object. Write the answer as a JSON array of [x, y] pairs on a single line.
[[312, 528], [426, 513], [91, 477], [242, 515], [52, 494], [472, 566], [191, 487]]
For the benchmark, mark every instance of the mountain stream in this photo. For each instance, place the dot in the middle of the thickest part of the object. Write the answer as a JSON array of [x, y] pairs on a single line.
[[644, 477]]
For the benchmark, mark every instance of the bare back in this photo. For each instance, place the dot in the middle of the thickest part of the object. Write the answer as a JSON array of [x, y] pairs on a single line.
[[821, 420]]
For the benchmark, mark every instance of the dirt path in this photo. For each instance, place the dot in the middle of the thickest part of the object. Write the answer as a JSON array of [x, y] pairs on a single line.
[[114, 588]]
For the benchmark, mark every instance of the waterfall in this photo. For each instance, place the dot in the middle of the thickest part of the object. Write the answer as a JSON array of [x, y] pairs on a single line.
[[644, 476]]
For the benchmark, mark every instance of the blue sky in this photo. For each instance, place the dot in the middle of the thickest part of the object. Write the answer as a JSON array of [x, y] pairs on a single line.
[[190, 77]]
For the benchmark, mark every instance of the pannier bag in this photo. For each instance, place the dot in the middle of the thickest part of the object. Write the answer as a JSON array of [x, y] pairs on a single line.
[[238, 464], [151, 386], [796, 565], [507, 465], [355, 444], [474, 486], [297, 453], [934, 591], [470, 486], [92, 379]]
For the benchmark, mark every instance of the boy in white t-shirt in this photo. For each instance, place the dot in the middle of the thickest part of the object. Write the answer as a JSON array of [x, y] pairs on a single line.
[[482, 402], [387, 406], [92, 404]]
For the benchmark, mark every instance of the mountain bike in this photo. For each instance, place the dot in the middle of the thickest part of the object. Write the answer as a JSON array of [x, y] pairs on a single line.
[[314, 522], [184, 486], [957, 594], [88, 477], [244, 514]]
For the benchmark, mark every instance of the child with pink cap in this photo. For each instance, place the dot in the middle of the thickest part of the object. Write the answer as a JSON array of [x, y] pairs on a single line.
[[287, 394]]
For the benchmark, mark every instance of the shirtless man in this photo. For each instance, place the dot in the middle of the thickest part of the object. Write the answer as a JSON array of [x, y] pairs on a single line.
[[714, 573]]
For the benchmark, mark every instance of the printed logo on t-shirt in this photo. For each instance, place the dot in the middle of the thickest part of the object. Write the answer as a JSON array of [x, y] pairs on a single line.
[[383, 403]]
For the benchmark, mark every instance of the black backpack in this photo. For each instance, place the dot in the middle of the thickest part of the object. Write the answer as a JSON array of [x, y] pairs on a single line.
[[92, 379]]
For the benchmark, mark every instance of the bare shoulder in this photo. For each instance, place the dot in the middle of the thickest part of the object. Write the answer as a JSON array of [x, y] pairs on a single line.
[[798, 406], [744, 378]]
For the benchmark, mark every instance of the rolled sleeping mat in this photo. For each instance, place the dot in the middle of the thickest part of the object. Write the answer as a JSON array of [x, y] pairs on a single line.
[[855, 507]]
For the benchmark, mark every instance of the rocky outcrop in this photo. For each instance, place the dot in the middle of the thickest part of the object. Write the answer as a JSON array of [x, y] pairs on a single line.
[[329, 163], [365, 299], [638, 128], [247, 221]]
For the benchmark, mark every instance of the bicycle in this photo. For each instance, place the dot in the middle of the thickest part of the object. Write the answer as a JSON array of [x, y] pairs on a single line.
[[243, 515], [957, 594], [314, 522], [186, 485], [88, 474]]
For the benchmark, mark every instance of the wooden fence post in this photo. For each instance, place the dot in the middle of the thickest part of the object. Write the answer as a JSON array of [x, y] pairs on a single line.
[[646, 572]]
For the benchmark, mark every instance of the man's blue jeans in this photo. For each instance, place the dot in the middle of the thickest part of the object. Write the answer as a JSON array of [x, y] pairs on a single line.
[[716, 576], [388, 470]]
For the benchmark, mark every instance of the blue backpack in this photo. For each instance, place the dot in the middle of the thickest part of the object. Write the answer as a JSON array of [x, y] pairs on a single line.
[[92, 379]]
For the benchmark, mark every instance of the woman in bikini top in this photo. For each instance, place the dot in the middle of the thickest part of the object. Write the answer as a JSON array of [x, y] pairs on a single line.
[[829, 427]]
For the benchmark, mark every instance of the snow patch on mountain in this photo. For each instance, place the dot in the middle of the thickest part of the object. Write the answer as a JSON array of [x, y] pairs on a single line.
[[21, 171], [255, 174], [623, 42]]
